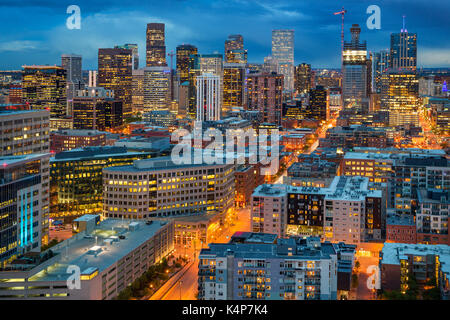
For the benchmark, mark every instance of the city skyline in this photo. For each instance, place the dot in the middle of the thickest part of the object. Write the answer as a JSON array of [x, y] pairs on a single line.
[[42, 34]]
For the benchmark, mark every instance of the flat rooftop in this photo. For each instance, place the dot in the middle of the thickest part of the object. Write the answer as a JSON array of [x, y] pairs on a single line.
[[392, 253], [94, 153], [91, 253]]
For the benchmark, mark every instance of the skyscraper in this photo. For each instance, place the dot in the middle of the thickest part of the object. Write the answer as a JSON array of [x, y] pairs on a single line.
[[208, 97], [73, 65], [234, 49], [318, 103], [303, 78], [283, 52], [115, 73], [96, 109], [135, 53], [355, 76], [44, 87], [380, 65], [234, 78], [400, 97], [403, 53], [138, 91], [156, 88], [184, 52], [156, 47]]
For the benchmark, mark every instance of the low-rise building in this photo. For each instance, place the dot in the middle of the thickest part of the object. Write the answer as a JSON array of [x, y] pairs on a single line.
[[109, 257], [65, 140], [400, 228], [426, 263]]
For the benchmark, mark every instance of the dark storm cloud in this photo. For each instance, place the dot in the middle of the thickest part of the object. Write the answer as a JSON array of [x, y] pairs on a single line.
[[34, 31]]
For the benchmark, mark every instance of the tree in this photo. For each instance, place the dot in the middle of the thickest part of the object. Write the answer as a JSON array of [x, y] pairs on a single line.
[[354, 280], [357, 265]]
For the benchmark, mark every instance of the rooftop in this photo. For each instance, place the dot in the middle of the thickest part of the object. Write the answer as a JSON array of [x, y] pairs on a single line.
[[392, 253], [99, 250], [94, 153]]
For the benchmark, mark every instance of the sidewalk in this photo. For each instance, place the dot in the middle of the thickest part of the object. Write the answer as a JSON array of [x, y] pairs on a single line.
[[158, 295]]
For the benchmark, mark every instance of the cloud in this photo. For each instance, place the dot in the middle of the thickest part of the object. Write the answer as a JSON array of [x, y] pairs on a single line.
[[107, 29], [18, 45], [433, 57], [277, 11]]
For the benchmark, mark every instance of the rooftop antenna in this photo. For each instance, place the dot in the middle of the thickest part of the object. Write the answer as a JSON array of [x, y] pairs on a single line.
[[404, 24]]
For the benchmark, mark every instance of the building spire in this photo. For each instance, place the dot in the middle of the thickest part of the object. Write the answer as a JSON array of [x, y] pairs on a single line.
[[404, 24]]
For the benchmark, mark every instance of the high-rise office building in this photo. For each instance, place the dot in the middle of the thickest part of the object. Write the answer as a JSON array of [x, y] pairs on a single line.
[[96, 109], [23, 204], [234, 78], [24, 132], [184, 52], [265, 94], [44, 87], [270, 65], [167, 189], [72, 194], [318, 103], [303, 78], [137, 92], [156, 88], [72, 63], [283, 52], [156, 46], [234, 49], [380, 65], [400, 97], [115, 73], [355, 75], [403, 53], [208, 97], [135, 53]]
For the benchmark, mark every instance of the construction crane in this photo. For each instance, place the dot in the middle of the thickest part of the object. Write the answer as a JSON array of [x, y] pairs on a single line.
[[342, 13]]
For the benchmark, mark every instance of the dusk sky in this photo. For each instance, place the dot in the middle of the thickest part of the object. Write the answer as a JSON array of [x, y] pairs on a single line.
[[34, 32]]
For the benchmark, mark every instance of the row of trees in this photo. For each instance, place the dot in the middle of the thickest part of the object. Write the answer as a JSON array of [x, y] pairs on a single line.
[[151, 280], [432, 291]]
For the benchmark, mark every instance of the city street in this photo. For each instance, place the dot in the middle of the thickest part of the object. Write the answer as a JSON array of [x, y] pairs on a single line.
[[61, 234], [187, 284]]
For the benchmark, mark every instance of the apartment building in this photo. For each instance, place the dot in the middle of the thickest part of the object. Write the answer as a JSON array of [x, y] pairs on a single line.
[[258, 266], [109, 256], [269, 209], [427, 263], [160, 188], [349, 210], [432, 216], [405, 172]]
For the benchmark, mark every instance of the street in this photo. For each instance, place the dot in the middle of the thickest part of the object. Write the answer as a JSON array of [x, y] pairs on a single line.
[[187, 284]]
